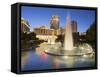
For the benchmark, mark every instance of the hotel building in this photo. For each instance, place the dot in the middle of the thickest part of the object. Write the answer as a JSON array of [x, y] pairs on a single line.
[[44, 33], [74, 26], [54, 22], [25, 27]]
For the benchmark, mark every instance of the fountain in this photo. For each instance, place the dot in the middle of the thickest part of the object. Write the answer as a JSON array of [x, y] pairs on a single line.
[[51, 40], [67, 49], [68, 40]]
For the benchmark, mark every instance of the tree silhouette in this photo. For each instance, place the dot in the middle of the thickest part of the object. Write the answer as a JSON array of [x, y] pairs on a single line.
[[91, 34]]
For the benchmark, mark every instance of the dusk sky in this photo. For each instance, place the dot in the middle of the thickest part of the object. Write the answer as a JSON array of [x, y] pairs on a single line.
[[38, 16]]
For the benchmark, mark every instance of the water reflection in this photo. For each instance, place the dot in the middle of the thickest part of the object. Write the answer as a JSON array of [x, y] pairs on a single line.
[[56, 62], [37, 59]]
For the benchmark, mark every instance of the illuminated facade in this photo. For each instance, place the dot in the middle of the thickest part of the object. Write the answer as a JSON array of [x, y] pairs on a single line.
[[25, 27], [82, 33], [44, 30], [44, 33]]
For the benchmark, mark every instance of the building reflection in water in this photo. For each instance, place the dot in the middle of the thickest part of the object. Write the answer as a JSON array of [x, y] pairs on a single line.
[[68, 61], [24, 59], [56, 62], [63, 62], [41, 53]]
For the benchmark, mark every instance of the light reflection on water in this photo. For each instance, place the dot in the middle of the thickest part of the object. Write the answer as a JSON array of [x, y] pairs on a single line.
[[37, 60]]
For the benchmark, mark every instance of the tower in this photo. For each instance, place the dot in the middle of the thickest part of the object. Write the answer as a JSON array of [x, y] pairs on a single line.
[[54, 22], [74, 26]]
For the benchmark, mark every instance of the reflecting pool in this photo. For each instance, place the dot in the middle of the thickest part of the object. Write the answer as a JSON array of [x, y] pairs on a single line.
[[37, 59]]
